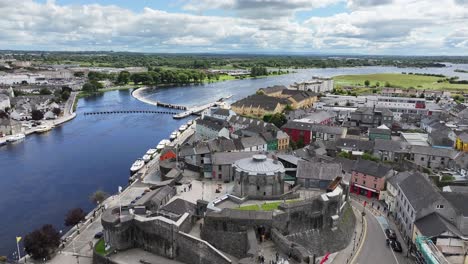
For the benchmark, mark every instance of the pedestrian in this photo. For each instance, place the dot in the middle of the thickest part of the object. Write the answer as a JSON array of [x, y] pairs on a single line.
[[289, 255], [277, 256]]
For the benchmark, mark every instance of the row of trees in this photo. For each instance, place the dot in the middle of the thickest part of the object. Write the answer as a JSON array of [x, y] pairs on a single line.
[[258, 71], [42, 242], [162, 76]]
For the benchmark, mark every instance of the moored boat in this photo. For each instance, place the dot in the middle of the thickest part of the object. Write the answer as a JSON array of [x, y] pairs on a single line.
[[137, 165], [146, 158], [16, 137], [152, 152], [182, 128], [43, 128]]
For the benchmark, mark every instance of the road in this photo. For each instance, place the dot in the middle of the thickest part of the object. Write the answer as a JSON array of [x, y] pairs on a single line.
[[374, 248]]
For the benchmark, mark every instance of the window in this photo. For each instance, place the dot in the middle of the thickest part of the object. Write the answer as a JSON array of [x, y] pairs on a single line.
[[433, 157], [440, 206], [258, 187], [422, 158], [375, 186], [355, 179], [364, 182]]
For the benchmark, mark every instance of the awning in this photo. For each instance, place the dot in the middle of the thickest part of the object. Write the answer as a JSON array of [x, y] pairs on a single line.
[[366, 188]]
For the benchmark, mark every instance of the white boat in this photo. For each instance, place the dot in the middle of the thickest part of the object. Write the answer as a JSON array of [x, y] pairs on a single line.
[[146, 158], [137, 165], [43, 128], [16, 137], [182, 128], [173, 135], [160, 147], [151, 152], [190, 122]]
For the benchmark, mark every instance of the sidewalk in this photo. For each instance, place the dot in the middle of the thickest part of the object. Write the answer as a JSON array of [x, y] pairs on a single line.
[[346, 255]]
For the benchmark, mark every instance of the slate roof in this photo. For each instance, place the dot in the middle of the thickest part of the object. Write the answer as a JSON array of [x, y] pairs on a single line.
[[457, 189], [212, 123], [273, 89], [371, 111], [318, 170], [371, 168], [419, 191], [263, 101], [223, 158], [399, 177], [351, 143], [439, 152], [347, 165], [179, 207], [458, 201], [463, 136], [248, 142], [221, 145], [431, 225], [221, 112], [380, 131], [336, 130], [390, 145]]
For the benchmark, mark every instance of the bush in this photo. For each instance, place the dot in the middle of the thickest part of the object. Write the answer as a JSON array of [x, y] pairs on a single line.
[[45, 91], [41, 243], [37, 115], [98, 196], [74, 216], [56, 111]]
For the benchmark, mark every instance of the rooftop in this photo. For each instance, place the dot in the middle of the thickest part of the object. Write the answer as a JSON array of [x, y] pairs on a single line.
[[259, 164], [371, 168]]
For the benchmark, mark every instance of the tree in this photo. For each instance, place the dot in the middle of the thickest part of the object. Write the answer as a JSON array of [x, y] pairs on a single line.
[[98, 196], [74, 216], [45, 91], [37, 115], [278, 119], [88, 87], [367, 83], [124, 77], [377, 84], [40, 243], [56, 111], [78, 74], [387, 84], [65, 95]]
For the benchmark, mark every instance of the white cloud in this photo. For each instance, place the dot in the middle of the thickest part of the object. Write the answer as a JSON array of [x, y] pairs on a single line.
[[402, 26]]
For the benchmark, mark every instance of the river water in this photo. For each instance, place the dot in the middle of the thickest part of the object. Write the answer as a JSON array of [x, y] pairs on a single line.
[[44, 176]]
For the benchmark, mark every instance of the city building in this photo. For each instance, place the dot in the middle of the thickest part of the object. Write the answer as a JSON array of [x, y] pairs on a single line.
[[432, 158], [368, 178], [309, 132], [210, 128], [317, 85], [4, 102], [462, 142], [9, 126], [258, 177], [320, 175], [371, 117], [317, 117], [258, 105], [381, 132]]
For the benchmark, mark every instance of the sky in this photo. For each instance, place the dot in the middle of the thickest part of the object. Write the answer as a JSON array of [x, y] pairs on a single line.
[[387, 27]]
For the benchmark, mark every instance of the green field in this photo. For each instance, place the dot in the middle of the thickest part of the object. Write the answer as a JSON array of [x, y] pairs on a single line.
[[265, 206], [398, 80]]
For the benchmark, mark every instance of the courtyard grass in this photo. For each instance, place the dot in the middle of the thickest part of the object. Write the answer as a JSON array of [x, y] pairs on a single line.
[[101, 247], [420, 82], [265, 206]]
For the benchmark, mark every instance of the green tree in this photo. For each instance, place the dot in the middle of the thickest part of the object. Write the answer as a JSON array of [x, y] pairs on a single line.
[[74, 216], [65, 95], [45, 91], [89, 87], [42, 242], [36, 115], [98, 196], [377, 84], [367, 83], [56, 111], [124, 77], [278, 119]]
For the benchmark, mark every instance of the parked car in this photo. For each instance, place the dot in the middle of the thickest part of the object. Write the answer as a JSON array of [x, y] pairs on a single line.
[[390, 233], [396, 246], [98, 235]]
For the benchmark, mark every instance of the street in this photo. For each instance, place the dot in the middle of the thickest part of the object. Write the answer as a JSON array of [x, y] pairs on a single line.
[[374, 248]]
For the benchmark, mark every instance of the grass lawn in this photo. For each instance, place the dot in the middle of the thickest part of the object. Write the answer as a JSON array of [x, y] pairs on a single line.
[[101, 247], [264, 207], [398, 80]]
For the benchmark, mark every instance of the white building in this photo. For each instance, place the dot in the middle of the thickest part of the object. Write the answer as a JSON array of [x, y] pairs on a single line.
[[29, 78], [4, 101], [317, 85]]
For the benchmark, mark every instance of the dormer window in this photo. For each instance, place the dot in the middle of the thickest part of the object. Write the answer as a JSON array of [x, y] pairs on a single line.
[[440, 206]]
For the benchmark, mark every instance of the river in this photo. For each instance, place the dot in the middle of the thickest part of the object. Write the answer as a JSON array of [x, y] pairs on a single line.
[[44, 176]]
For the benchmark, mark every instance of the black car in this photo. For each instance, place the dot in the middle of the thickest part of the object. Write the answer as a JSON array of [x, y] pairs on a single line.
[[390, 234], [98, 235], [396, 246]]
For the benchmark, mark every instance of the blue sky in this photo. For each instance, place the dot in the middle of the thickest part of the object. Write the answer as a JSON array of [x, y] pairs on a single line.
[[390, 27]]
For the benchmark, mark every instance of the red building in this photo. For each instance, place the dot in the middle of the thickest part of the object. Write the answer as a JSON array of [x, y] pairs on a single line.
[[368, 178], [310, 132], [167, 154]]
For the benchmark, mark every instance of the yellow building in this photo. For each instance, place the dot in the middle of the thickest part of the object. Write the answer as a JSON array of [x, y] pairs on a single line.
[[258, 105], [462, 142], [283, 140]]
